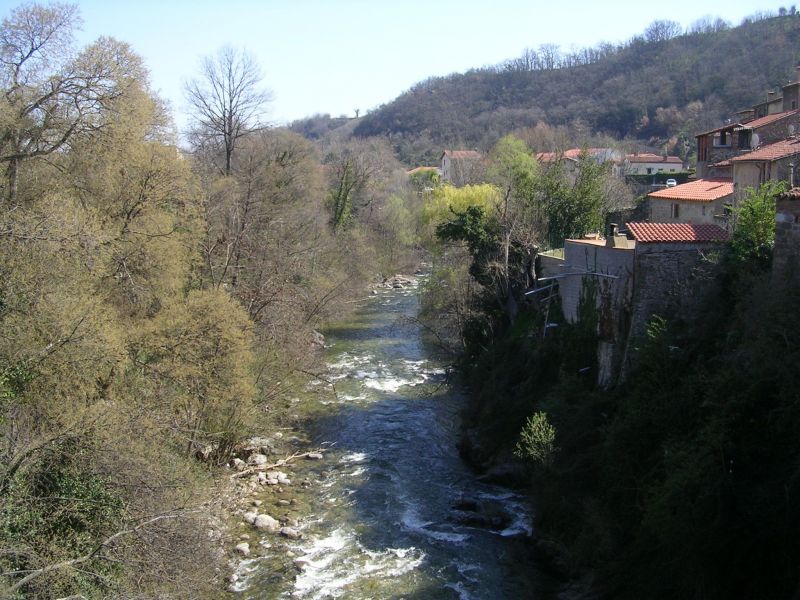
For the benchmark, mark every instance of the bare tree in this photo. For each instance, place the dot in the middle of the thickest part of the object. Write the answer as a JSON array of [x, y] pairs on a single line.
[[662, 30], [227, 100]]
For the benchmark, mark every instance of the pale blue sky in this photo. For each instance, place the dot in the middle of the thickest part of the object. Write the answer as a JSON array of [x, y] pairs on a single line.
[[333, 56]]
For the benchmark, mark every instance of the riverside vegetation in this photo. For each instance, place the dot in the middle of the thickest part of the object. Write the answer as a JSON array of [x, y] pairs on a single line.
[[156, 307], [681, 483]]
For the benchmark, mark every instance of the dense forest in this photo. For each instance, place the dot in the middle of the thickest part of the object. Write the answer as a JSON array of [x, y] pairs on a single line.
[[658, 89]]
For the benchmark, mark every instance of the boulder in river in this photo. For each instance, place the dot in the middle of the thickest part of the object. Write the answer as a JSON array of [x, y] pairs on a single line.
[[291, 533], [266, 523]]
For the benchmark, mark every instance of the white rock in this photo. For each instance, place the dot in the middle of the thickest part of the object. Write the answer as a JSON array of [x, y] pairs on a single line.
[[257, 503], [238, 464], [301, 563], [290, 533], [257, 459], [243, 549], [314, 456], [266, 523], [262, 479], [250, 517]]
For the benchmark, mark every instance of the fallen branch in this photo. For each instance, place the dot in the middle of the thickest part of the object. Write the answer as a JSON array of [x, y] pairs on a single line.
[[281, 463]]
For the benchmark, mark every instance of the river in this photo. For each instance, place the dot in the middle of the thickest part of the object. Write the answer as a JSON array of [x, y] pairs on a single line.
[[394, 512]]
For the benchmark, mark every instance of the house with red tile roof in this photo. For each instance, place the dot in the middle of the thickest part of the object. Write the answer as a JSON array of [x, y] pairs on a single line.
[[717, 147], [651, 269], [771, 162], [765, 123], [461, 167], [648, 163], [676, 233], [569, 158], [699, 201]]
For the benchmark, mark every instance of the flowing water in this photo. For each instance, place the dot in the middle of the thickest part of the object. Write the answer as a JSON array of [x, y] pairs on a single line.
[[394, 512]]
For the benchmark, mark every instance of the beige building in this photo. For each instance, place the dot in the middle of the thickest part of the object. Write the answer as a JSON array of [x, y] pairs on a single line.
[[701, 201], [648, 164], [768, 163], [461, 167]]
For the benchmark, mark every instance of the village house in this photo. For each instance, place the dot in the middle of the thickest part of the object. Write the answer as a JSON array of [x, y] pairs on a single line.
[[772, 162], [700, 201], [461, 167], [648, 164], [569, 158], [767, 122]]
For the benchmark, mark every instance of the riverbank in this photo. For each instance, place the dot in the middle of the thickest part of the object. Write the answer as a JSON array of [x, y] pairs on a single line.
[[264, 495], [389, 507]]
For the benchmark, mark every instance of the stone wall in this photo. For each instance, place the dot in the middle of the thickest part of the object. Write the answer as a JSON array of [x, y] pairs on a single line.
[[786, 253], [672, 280]]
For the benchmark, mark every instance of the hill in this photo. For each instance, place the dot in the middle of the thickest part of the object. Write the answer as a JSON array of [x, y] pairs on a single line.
[[660, 87]]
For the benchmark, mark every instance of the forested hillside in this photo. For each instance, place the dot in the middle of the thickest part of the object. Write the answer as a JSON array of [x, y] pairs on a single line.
[[661, 87]]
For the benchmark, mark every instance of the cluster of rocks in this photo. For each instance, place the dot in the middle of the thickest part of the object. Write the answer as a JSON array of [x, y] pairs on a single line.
[[261, 480], [397, 282], [471, 513]]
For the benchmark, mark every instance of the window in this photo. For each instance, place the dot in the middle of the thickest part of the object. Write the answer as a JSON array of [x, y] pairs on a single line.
[[704, 210], [649, 170], [675, 212], [722, 139]]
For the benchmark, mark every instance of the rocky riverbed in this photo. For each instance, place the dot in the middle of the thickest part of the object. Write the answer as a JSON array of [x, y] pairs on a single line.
[[367, 496]]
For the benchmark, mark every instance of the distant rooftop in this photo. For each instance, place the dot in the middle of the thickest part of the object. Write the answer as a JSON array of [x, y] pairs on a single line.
[[653, 158], [701, 190], [677, 232], [754, 124], [462, 154]]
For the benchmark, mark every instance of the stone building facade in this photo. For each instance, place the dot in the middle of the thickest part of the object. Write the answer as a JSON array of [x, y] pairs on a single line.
[[786, 253]]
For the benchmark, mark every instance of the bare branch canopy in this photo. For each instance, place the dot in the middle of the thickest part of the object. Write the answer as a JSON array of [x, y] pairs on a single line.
[[227, 101]]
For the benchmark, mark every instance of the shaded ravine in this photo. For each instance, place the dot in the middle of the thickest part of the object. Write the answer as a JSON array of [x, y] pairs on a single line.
[[393, 511]]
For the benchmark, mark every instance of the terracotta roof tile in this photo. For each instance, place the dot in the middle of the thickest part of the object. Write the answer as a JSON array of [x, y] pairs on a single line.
[[462, 154], [702, 190], [760, 122], [770, 152], [574, 153], [754, 124], [677, 232]]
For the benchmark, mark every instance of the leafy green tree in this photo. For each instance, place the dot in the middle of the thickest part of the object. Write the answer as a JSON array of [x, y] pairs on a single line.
[[575, 207], [754, 231], [537, 439], [52, 95]]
